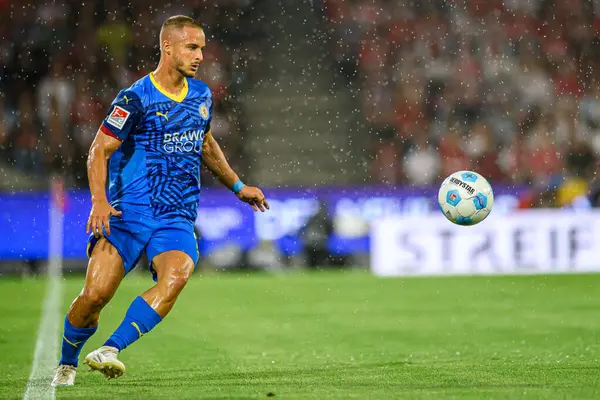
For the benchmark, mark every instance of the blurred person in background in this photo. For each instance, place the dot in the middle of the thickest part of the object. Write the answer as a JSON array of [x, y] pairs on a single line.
[[58, 87], [451, 149], [58, 152], [86, 115], [26, 137], [421, 163], [545, 158], [315, 235], [483, 151]]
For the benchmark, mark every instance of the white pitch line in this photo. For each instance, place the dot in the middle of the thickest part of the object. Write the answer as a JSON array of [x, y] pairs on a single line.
[[45, 358]]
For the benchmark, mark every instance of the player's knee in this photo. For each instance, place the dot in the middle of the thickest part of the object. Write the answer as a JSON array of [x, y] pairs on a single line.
[[95, 298], [179, 278]]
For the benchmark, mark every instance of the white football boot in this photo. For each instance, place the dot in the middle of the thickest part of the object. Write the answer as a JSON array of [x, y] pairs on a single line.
[[105, 360], [64, 376]]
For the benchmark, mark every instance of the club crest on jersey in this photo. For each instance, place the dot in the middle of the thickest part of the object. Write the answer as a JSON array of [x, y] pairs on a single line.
[[204, 111], [118, 117]]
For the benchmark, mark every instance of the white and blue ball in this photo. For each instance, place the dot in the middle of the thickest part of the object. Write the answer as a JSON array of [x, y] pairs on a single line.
[[466, 198]]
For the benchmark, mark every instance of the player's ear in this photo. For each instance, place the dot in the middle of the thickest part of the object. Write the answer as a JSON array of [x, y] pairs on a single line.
[[167, 47]]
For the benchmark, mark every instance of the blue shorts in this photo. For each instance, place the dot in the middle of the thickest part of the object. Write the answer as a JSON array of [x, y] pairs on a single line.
[[132, 233]]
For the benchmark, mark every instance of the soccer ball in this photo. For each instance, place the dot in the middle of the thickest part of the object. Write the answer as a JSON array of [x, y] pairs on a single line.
[[466, 198]]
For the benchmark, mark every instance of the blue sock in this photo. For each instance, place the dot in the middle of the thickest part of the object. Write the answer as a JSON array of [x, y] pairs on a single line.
[[73, 340], [139, 320]]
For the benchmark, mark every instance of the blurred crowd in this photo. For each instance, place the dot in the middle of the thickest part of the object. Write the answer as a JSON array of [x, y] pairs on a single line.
[[508, 88], [62, 63]]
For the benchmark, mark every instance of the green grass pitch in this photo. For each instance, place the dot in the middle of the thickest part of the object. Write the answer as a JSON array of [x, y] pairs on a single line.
[[336, 335]]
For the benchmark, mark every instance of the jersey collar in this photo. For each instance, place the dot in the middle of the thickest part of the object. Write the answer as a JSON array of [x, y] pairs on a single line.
[[179, 98]]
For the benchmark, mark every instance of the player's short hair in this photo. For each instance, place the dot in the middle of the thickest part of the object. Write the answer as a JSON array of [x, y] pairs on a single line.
[[180, 21]]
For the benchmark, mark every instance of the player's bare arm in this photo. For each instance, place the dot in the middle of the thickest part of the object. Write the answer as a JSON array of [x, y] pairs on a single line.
[[100, 152], [215, 160]]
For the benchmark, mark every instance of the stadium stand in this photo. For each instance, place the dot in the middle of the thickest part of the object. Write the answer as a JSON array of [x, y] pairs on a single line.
[[63, 63], [507, 88]]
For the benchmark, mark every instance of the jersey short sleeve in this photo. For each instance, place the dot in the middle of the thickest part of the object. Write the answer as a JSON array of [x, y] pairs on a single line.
[[125, 112]]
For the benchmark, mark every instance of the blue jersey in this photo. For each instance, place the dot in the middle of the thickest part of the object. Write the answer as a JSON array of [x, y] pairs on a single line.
[[157, 167]]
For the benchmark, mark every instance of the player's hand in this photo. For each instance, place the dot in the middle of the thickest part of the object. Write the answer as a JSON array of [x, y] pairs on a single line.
[[253, 196], [99, 215]]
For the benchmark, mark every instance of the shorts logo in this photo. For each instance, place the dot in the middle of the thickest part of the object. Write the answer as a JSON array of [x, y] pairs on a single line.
[[118, 117], [204, 111]]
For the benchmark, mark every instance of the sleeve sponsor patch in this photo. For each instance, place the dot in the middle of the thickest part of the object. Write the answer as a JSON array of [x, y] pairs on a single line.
[[118, 117]]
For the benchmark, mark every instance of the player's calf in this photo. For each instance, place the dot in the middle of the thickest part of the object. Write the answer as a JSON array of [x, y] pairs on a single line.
[[173, 271], [81, 321], [139, 320], [85, 310], [104, 273], [171, 281]]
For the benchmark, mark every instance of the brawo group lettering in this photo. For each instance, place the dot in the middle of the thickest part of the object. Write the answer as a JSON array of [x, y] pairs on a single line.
[[185, 142]]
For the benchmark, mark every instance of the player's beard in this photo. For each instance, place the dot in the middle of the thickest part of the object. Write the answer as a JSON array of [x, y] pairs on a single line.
[[185, 70], [188, 73]]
